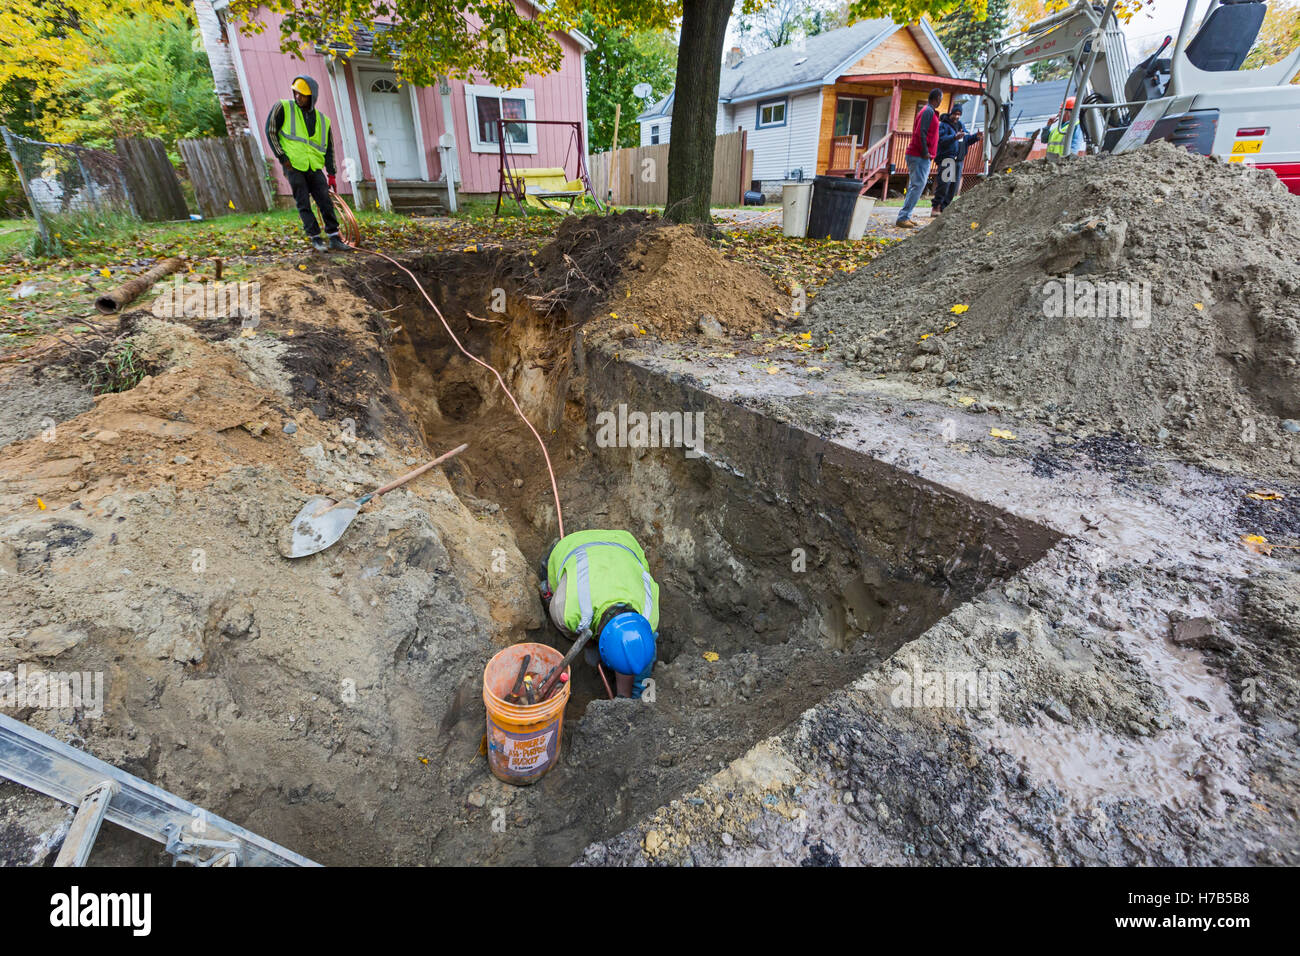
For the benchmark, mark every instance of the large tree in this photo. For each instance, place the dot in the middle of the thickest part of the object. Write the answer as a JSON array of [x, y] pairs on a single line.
[[624, 58], [48, 40], [967, 38]]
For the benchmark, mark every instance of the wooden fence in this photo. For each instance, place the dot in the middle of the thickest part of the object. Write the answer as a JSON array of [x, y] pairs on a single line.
[[151, 180], [228, 175], [641, 172]]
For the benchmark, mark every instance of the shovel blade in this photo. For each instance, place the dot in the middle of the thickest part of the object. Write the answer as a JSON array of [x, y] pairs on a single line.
[[318, 525]]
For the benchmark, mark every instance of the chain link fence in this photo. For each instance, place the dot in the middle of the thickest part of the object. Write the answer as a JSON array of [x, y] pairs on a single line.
[[67, 184]]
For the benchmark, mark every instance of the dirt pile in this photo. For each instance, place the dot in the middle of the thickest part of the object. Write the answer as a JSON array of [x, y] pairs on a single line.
[[633, 271], [1151, 294]]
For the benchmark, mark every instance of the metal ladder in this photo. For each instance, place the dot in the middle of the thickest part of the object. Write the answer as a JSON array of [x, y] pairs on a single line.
[[101, 791]]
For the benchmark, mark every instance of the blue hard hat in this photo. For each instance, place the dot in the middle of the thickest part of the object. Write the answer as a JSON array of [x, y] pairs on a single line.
[[627, 644]]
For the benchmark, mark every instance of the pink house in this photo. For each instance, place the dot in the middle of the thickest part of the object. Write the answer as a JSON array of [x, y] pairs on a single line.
[[378, 118]]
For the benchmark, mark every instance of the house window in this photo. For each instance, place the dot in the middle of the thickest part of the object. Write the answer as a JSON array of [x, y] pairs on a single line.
[[382, 85], [654, 135], [486, 104], [851, 116], [771, 113]]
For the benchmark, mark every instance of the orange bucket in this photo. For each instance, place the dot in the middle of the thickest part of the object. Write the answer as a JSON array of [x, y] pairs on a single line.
[[523, 740]]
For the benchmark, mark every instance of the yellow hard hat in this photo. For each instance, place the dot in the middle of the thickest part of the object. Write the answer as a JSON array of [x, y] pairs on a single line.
[[300, 86]]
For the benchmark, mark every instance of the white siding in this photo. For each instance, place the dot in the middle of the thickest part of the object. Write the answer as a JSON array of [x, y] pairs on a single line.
[[777, 151], [665, 124], [780, 150]]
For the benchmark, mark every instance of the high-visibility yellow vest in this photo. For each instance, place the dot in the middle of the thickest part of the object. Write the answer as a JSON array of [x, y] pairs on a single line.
[[1056, 140], [601, 569], [304, 152]]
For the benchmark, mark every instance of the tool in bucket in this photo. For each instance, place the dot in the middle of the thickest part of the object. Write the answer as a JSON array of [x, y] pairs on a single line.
[[513, 696], [322, 520], [552, 678]]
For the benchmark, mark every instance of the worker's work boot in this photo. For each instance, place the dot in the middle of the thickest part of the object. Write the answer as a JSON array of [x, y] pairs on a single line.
[[905, 224], [318, 244], [338, 245]]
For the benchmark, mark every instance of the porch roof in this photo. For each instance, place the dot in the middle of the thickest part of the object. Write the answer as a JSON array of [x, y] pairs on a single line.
[[915, 81]]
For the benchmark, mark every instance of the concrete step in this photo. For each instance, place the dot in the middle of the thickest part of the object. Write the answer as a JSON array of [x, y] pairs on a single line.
[[420, 210]]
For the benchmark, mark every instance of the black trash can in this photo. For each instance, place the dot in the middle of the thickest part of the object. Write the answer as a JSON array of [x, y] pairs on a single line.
[[833, 202]]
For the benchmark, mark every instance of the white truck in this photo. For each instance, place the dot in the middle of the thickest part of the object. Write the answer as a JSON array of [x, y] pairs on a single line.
[[1198, 96]]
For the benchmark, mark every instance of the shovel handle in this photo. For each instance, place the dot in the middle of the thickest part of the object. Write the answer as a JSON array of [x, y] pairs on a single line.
[[417, 473]]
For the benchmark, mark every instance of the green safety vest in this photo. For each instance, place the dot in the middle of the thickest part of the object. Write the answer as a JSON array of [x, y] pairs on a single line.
[[601, 569], [1056, 140], [304, 152]]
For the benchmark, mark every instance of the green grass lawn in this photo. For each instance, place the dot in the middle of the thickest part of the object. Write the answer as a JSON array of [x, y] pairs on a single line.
[[15, 234]]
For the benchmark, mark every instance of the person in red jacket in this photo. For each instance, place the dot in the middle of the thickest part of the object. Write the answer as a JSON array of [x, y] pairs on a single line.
[[920, 154]]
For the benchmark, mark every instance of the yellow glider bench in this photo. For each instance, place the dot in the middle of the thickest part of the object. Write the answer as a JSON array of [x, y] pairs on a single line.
[[547, 188]]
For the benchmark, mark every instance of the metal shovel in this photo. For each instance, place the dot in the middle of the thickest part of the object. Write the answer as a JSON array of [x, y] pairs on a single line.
[[322, 521]]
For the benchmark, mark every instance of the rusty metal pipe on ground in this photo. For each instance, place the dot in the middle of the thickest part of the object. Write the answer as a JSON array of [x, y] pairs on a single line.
[[132, 289]]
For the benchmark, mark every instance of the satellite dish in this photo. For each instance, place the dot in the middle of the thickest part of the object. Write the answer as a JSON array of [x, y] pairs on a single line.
[[642, 90]]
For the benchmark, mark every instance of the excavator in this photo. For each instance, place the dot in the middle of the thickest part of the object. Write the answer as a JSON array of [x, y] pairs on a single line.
[[1197, 96]]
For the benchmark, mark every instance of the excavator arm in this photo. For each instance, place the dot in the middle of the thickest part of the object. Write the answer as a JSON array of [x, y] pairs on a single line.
[[1086, 35]]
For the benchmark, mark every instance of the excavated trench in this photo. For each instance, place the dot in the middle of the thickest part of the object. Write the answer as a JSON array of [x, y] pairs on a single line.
[[788, 565]]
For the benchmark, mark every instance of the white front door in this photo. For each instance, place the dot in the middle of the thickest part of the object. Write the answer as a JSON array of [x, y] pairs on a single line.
[[390, 123]]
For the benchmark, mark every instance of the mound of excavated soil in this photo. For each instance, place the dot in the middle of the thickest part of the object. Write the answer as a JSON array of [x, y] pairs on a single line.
[[1152, 293], [634, 269]]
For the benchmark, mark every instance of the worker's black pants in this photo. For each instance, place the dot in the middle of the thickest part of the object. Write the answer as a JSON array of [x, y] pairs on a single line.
[[947, 182], [308, 185]]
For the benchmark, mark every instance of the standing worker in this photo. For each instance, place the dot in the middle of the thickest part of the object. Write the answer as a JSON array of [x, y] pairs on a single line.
[[920, 154], [599, 581], [301, 139], [1056, 136], [954, 142]]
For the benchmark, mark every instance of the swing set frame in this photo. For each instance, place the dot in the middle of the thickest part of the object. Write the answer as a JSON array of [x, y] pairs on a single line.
[[512, 179]]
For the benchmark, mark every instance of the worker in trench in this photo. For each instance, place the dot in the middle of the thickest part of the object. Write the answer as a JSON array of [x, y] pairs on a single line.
[[302, 140], [600, 581]]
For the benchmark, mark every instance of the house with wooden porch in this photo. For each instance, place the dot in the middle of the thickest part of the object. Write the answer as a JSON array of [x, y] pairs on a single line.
[[840, 103]]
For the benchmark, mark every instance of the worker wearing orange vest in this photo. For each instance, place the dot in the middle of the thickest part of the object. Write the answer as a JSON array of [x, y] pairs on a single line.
[[302, 140]]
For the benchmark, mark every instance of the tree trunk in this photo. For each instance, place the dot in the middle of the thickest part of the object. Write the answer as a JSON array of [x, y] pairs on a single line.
[[695, 109]]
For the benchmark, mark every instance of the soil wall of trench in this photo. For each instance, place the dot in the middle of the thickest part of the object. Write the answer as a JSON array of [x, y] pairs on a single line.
[[333, 704]]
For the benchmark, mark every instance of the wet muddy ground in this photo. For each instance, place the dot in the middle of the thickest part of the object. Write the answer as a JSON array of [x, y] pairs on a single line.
[[1145, 666]]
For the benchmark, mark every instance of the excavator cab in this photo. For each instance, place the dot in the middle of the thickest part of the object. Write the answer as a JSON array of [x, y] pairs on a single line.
[[1219, 46]]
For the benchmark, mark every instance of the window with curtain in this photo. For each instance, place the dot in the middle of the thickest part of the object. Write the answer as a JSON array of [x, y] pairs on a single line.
[[488, 104]]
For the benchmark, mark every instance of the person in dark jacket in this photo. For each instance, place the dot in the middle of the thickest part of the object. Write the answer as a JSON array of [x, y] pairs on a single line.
[[302, 140], [954, 141]]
